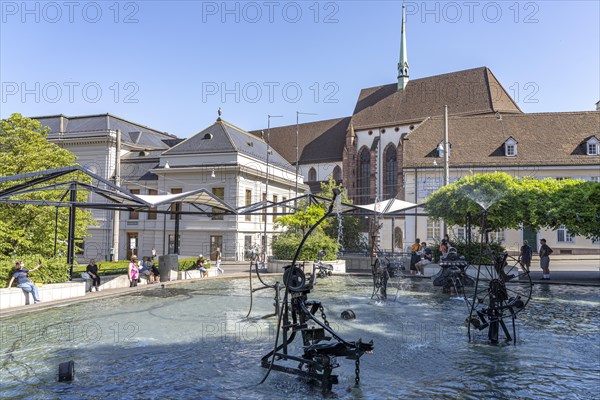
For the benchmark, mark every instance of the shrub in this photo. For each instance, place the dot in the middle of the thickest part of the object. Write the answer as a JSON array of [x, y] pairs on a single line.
[[472, 254], [53, 270], [185, 264], [284, 247]]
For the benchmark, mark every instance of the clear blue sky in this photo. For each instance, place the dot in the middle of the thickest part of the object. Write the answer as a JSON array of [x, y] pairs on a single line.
[[171, 65]]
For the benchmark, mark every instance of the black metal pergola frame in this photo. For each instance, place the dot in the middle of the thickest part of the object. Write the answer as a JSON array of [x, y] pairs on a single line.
[[118, 198]]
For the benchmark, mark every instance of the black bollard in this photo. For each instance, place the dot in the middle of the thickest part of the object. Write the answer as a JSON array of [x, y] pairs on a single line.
[[66, 371]]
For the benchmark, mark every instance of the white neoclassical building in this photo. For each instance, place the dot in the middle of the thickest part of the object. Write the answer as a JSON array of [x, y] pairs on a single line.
[[223, 159]]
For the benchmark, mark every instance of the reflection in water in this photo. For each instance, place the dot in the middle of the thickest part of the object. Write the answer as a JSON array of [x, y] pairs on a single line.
[[192, 341]]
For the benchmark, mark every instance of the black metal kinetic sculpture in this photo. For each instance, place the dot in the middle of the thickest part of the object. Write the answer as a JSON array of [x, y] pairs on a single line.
[[382, 269], [501, 293], [296, 314], [452, 274]]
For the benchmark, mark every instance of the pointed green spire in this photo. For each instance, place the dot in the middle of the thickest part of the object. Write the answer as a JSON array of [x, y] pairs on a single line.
[[403, 64]]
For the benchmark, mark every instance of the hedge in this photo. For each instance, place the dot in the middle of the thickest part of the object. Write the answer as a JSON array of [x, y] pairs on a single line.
[[53, 270], [471, 254], [185, 264]]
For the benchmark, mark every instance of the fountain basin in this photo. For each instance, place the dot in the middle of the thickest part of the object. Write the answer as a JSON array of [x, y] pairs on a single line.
[[191, 341]]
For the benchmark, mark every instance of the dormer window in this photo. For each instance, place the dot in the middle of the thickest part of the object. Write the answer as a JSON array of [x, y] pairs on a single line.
[[440, 149], [592, 146], [510, 147]]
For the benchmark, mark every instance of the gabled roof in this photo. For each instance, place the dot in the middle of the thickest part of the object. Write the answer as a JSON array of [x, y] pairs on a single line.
[[545, 139], [131, 133], [468, 92], [318, 142], [223, 137]]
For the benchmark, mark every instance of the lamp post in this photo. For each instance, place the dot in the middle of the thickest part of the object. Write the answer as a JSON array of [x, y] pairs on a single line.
[[446, 158], [298, 113], [267, 186], [379, 184]]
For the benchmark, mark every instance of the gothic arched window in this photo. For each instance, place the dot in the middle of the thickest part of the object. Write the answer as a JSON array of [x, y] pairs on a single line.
[[337, 173], [390, 178], [364, 176]]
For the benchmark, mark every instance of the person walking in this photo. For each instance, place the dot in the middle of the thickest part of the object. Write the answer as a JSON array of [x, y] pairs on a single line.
[[92, 271], [525, 255], [133, 271], [153, 254], [218, 261], [544, 254], [23, 282]]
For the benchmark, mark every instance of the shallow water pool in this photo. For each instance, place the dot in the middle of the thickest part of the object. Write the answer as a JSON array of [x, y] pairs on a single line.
[[192, 341]]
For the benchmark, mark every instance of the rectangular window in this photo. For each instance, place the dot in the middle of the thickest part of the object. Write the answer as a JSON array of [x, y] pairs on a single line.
[[433, 230], [134, 214], [248, 217], [592, 149], [247, 246], [595, 179], [220, 193], [152, 211], [564, 236], [284, 208], [172, 243], [275, 207], [510, 150], [497, 236], [175, 207]]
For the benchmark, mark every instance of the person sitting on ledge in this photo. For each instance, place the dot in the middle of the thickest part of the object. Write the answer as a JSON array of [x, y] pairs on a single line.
[[92, 271], [427, 259], [201, 265], [23, 282], [155, 271], [146, 269]]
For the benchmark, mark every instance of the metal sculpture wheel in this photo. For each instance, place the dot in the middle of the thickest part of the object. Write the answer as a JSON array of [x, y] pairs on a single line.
[[320, 343], [382, 270], [320, 269], [381, 275], [501, 292]]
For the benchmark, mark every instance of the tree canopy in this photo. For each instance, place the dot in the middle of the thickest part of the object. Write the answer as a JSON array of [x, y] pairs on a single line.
[[512, 202], [29, 229]]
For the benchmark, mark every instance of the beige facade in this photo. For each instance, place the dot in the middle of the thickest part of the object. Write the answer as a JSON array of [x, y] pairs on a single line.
[[151, 164]]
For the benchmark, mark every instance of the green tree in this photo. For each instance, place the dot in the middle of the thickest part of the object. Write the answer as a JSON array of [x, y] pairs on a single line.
[[512, 202], [351, 238], [302, 219], [577, 207], [29, 229], [496, 193]]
